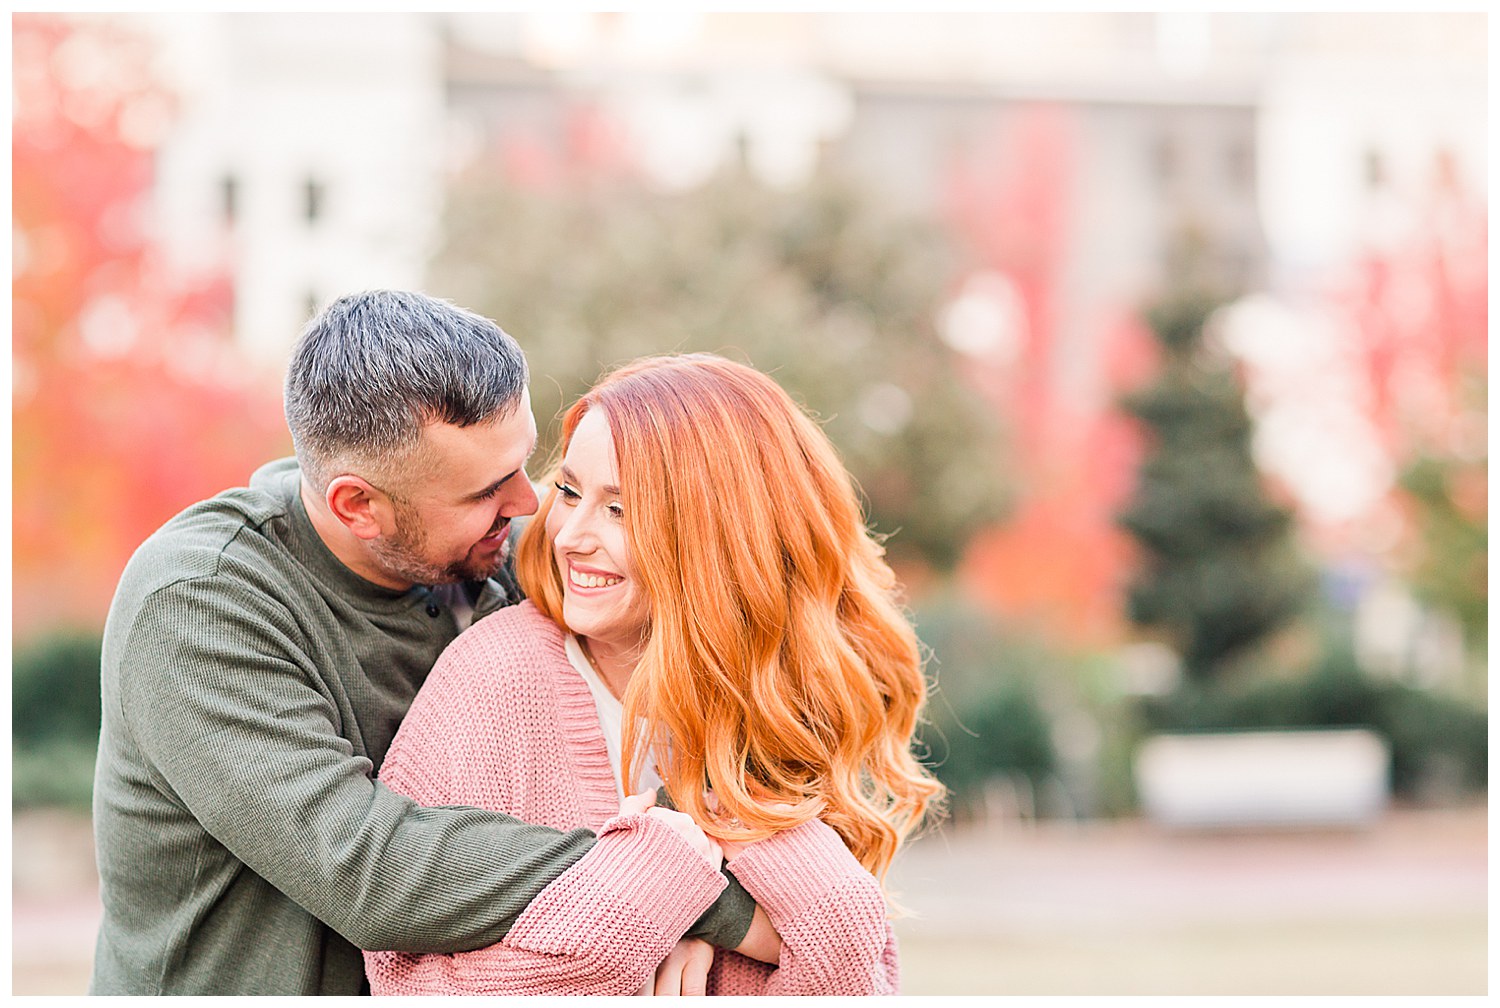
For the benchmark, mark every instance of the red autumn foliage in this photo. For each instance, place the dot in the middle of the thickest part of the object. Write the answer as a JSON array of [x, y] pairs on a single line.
[[129, 402], [1420, 304], [1059, 562]]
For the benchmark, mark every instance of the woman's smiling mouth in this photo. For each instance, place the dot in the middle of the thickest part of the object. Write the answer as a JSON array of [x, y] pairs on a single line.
[[582, 578]]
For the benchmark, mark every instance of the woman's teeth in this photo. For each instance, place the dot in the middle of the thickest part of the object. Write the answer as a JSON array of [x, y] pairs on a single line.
[[592, 580]]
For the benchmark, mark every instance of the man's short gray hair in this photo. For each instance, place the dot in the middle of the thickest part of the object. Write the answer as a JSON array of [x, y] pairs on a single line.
[[372, 369]]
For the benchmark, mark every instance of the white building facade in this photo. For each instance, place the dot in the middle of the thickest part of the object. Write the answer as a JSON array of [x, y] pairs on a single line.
[[307, 161]]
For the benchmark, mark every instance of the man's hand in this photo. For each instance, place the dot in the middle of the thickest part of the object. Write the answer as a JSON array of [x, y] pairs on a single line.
[[685, 969]]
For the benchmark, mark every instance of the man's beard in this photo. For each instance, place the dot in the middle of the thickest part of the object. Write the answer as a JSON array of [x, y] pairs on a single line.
[[402, 555]]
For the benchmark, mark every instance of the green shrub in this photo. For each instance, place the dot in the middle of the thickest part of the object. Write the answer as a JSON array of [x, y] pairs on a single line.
[[1001, 732], [986, 718], [55, 720], [56, 773], [55, 688]]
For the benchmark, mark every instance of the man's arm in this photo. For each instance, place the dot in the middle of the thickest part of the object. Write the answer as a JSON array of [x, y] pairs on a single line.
[[248, 740], [599, 929]]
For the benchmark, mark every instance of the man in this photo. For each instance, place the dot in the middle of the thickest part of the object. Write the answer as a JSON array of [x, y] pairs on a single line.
[[262, 649]]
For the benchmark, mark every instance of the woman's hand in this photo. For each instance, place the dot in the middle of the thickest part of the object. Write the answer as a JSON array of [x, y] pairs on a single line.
[[706, 846], [685, 969], [734, 848], [637, 803]]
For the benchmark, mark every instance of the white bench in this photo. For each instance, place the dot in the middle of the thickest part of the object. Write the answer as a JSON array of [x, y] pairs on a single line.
[[1302, 777]]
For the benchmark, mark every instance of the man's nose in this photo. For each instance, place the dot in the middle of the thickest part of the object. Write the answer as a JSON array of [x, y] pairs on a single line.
[[522, 501]]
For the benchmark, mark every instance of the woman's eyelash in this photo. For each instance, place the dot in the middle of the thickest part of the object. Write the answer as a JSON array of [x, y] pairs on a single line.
[[570, 493]]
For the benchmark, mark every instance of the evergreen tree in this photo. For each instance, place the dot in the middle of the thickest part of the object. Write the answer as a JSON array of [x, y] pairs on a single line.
[[1219, 572]]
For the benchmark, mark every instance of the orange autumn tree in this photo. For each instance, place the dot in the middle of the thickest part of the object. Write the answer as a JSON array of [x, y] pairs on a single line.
[[128, 400]]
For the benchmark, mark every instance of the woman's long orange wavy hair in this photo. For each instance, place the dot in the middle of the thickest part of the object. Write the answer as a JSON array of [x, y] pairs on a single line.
[[779, 668]]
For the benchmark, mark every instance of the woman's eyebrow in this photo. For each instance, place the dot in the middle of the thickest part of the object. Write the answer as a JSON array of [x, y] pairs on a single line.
[[571, 477]]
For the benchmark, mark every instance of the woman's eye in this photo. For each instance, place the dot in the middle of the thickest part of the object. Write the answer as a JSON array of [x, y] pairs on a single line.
[[568, 492], [616, 509]]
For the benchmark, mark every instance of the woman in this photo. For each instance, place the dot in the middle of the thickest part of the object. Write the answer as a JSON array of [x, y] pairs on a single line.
[[706, 609]]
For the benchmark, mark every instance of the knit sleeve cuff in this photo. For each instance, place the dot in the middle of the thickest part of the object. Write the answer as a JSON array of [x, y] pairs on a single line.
[[791, 871], [725, 924], [649, 866]]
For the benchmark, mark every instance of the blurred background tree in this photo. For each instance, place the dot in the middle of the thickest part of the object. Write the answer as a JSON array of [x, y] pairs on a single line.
[[1219, 573], [128, 399], [1418, 298], [1447, 501], [820, 287]]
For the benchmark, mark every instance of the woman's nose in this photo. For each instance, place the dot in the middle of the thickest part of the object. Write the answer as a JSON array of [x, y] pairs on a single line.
[[576, 530]]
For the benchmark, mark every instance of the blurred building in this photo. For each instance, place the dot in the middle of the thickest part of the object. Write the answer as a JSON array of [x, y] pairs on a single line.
[[307, 160], [1079, 150], [312, 148]]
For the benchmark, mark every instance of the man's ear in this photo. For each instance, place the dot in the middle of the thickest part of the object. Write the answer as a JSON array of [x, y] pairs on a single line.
[[364, 510]]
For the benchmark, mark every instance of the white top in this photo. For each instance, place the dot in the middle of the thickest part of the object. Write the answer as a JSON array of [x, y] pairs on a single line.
[[611, 717]]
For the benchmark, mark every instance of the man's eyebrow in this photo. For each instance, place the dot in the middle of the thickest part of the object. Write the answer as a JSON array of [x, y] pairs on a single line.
[[493, 487], [484, 492]]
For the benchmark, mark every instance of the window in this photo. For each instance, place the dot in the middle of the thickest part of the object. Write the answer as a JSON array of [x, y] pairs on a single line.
[[314, 194], [1165, 161], [229, 198]]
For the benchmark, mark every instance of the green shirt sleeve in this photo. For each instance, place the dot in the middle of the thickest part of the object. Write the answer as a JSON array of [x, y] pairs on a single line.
[[725, 924]]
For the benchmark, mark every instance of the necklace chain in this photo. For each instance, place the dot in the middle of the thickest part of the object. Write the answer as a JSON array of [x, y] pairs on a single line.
[[588, 654]]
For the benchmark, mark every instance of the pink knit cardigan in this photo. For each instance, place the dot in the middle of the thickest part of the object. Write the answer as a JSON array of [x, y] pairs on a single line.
[[505, 723]]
